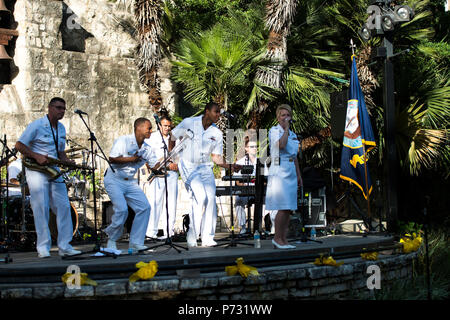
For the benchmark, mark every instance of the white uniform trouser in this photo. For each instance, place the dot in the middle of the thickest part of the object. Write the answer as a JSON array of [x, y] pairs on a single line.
[[45, 195], [124, 193], [156, 195], [203, 216]]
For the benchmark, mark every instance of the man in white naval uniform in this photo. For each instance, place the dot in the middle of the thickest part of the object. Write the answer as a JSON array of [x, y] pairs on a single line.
[[155, 192], [195, 167], [127, 155], [43, 138]]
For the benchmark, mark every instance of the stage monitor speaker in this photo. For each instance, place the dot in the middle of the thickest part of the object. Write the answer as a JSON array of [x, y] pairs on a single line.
[[338, 108], [314, 206]]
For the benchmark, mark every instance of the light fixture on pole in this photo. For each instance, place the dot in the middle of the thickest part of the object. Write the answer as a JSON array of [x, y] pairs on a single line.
[[383, 18]]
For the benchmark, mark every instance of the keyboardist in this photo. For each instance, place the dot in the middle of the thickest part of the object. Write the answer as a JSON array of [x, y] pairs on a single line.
[[242, 201]]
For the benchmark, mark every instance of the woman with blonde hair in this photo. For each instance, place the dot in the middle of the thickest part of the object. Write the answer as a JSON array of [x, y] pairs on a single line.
[[284, 175]]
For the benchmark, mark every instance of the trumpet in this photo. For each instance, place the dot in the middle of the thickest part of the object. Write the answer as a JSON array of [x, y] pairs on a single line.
[[160, 170]]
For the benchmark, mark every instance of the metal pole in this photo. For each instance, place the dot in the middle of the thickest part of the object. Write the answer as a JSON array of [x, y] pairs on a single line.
[[390, 164]]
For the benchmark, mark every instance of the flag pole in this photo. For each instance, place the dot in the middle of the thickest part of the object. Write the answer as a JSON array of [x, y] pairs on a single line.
[[353, 46]]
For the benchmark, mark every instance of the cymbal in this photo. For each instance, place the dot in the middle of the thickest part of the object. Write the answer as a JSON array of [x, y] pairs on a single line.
[[74, 149]]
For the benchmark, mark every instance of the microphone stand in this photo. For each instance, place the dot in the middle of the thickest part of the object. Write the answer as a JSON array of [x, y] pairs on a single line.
[[168, 241], [92, 138]]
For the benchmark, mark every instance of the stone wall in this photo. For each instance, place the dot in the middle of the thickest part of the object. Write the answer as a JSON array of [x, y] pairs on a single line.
[[102, 80], [289, 282]]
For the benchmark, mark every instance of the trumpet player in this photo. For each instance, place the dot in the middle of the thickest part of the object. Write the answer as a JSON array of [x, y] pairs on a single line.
[[44, 138], [155, 190]]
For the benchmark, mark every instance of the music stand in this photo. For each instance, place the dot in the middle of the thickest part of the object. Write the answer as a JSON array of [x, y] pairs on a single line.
[[168, 241], [92, 138]]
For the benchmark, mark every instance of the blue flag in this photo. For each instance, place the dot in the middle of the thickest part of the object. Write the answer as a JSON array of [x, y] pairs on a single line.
[[358, 137]]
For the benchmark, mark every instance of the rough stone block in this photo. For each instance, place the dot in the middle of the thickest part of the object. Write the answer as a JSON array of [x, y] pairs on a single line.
[[299, 293], [318, 272], [296, 274], [111, 289], [84, 291], [17, 293], [327, 290], [52, 292], [230, 280]]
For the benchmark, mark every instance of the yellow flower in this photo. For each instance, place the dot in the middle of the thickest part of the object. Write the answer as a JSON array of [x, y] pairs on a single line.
[[241, 268], [327, 261], [370, 255], [146, 271], [411, 244], [84, 280]]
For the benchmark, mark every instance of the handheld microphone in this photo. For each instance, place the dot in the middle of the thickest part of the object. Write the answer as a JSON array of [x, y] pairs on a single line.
[[227, 114], [77, 111], [291, 121], [158, 121]]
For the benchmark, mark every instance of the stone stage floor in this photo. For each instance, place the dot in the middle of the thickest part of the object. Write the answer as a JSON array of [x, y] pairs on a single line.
[[26, 267]]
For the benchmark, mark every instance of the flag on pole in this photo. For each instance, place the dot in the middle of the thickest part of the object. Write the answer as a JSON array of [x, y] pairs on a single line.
[[358, 137]]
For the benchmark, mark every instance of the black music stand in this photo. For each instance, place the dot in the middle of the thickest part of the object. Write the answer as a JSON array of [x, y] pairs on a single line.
[[232, 239], [92, 138], [168, 241]]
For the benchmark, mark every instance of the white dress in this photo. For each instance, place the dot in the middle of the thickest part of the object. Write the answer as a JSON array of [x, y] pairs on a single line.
[[282, 179]]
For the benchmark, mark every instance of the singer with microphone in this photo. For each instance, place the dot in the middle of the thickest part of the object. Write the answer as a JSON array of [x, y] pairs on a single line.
[[284, 175]]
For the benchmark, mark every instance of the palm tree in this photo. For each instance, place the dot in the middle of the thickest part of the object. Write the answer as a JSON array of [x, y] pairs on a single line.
[[148, 24], [269, 76], [214, 64]]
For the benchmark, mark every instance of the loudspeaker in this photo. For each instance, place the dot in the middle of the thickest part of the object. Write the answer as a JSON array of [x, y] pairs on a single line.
[[314, 208], [338, 108]]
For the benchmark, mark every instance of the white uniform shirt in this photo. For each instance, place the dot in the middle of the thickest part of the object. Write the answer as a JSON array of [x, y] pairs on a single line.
[[243, 161], [155, 142], [14, 169], [126, 146], [39, 138], [197, 151]]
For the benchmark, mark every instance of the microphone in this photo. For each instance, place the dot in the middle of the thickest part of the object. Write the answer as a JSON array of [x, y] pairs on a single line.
[[291, 121], [79, 112], [156, 118], [227, 114]]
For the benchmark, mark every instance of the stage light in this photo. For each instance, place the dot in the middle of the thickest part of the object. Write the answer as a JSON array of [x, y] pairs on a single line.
[[365, 33], [405, 13], [387, 23]]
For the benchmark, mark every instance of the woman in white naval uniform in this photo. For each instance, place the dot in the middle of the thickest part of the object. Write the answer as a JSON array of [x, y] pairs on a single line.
[[155, 192], [43, 138], [127, 155], [195, 167], [284, 175]]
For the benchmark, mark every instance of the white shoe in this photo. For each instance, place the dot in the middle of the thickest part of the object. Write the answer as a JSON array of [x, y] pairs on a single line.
[[209, 243], [281, 246], [68, 253], [111, 245], [44, 254], [137, 247], [243, 230]]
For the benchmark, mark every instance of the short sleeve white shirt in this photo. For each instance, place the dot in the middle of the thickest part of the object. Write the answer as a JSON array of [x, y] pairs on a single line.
[[198, 150], [126, 146], [39, 138]]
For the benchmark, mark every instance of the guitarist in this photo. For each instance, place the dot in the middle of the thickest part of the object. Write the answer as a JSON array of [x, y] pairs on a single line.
[[44, 138], [155, 192]]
